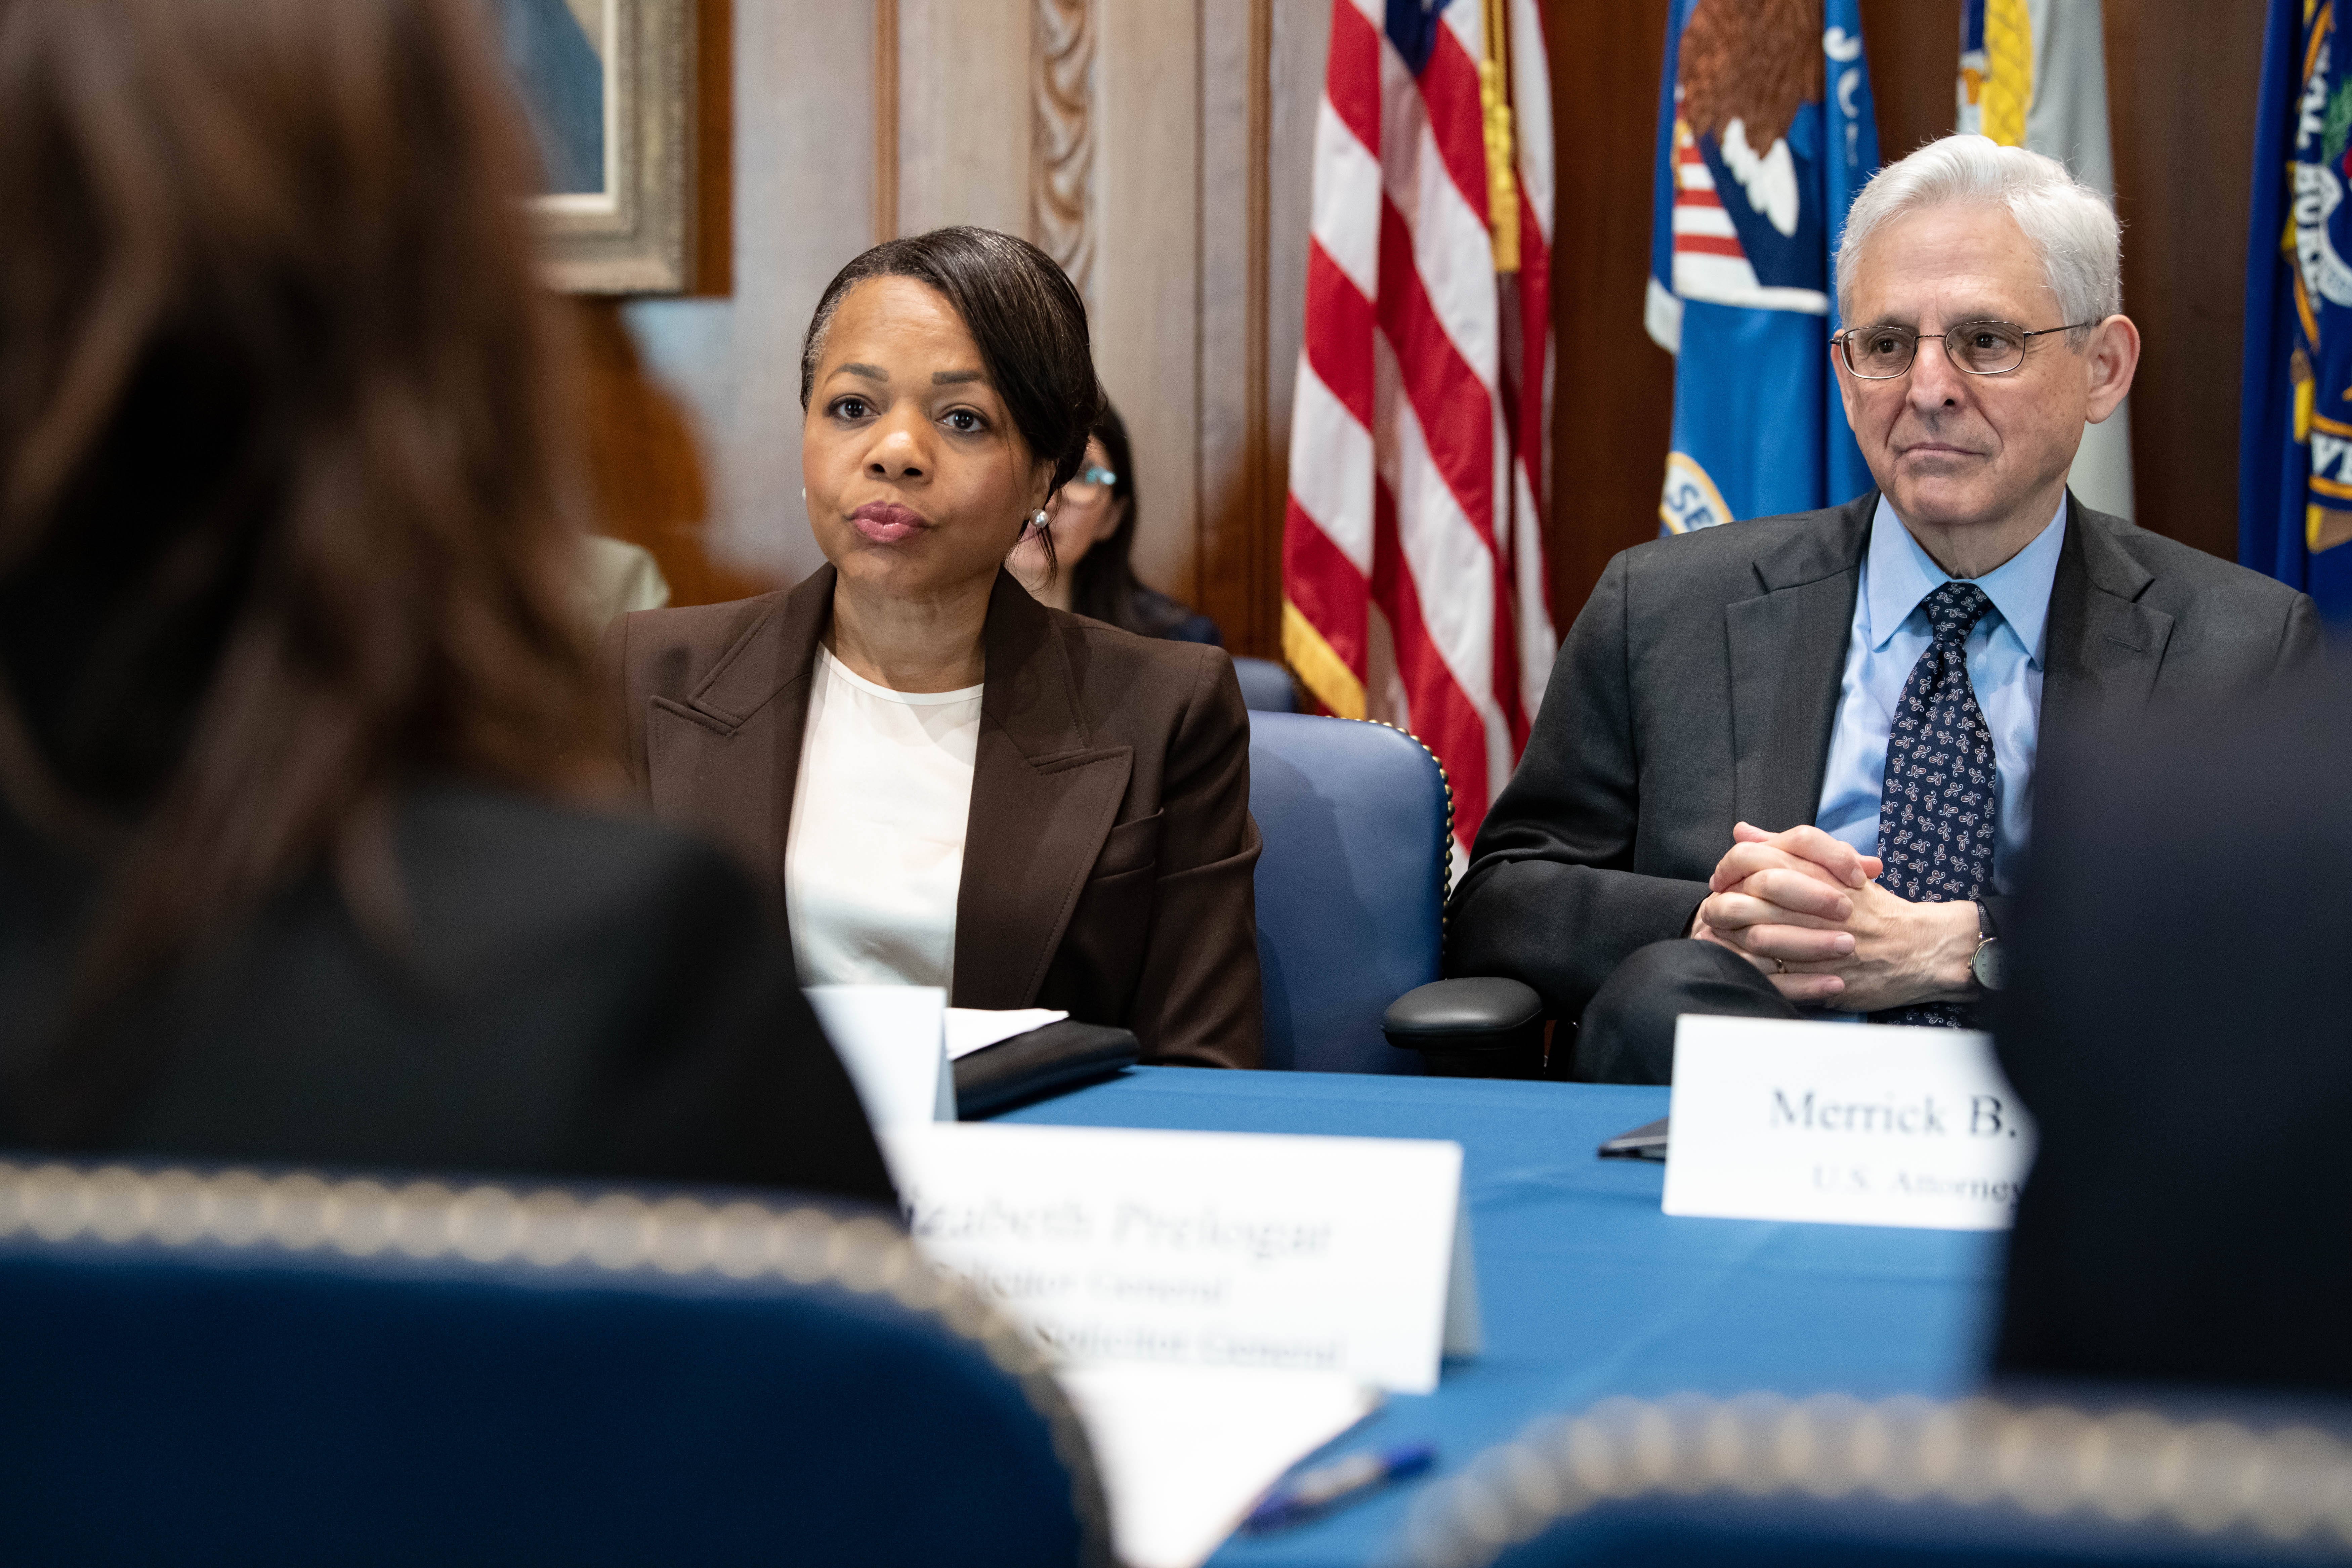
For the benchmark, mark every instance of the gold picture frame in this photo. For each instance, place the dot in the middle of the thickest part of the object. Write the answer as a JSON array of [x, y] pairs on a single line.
[[609, 85]]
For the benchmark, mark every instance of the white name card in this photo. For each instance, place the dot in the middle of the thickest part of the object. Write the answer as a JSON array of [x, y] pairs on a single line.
[[1337, 1255], [1844, 1124], [893, 1040]]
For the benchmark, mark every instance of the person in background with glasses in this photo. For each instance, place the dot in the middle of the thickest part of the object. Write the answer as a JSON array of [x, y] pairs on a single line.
[[1080, 561], [1808, 742]]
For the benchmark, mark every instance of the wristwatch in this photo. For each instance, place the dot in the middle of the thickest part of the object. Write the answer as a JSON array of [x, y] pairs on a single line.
[[1990, 965]]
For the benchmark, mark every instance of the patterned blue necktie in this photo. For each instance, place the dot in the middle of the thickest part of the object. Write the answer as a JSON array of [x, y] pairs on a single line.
[[1942, 794]]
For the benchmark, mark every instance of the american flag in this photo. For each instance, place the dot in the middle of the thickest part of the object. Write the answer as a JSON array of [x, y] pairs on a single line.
[[1414, 582]]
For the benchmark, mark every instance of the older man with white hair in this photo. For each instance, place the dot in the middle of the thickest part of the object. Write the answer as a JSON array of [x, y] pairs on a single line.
[[1808, 742]]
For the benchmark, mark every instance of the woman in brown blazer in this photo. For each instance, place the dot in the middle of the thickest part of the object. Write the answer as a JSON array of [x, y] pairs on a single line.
[[942, 780]]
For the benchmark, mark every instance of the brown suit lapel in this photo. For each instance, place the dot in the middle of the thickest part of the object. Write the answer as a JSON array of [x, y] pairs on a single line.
[[725, 760], [1043, 800], [2103, 646]]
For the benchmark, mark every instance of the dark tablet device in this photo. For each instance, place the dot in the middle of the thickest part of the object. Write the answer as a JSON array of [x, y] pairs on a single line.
[[1647, 1141]]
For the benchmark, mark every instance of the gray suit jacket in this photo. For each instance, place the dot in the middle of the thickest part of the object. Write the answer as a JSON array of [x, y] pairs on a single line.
[[1699, 686]]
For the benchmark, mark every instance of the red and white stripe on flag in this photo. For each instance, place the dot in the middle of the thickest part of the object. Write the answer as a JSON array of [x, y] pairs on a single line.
[[1414, 581]]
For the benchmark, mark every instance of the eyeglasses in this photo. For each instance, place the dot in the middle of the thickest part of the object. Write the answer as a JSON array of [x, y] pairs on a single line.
[[1091, 482], [1979, 348]]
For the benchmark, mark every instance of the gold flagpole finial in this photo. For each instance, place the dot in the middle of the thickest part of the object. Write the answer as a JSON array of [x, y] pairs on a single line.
[[1495, 100]]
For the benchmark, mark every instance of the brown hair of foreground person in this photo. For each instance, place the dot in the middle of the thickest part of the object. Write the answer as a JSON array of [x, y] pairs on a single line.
[[289, 659], [279, 513]]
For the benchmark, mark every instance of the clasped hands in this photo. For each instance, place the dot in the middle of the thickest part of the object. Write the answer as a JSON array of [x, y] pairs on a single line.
[[1807, 910]]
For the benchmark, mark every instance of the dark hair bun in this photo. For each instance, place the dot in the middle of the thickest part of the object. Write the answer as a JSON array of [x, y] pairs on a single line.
[[1020, 307]]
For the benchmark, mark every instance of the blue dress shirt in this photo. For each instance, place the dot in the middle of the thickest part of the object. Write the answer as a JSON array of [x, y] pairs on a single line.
[[1890, 633]]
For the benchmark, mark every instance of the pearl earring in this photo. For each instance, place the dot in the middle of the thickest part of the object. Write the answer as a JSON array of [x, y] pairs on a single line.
[[1038, 519]]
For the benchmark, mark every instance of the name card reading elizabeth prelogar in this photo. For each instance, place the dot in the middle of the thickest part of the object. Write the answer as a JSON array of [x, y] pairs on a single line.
[[1843, 1124], [1114, 1244]]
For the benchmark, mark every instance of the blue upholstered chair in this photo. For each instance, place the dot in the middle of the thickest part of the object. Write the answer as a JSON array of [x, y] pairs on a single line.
[[1266, 686], [233, 1368], [1834, 1483], [1358, 826]]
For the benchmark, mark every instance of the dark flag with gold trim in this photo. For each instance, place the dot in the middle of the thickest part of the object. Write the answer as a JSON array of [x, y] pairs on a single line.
[[2294, 435]]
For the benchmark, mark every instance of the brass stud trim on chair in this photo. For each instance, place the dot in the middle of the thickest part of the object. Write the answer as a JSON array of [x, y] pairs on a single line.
[[2130, 1467], [552, 1228]]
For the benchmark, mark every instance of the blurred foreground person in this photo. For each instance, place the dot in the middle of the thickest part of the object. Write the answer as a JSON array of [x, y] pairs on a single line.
[[2178, 1028], [289, 645], [946, 783], [1081, 561]]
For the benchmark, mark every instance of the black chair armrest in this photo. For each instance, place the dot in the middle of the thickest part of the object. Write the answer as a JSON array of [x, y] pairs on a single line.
[[1478, 1026]]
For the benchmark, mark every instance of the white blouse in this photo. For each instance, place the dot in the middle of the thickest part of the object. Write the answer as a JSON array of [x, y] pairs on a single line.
[[873, 853]]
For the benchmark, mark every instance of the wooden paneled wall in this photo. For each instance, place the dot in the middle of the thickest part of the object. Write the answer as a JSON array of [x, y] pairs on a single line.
[[791, 167], [1198, 141], [2182, 79], [1613, 401]]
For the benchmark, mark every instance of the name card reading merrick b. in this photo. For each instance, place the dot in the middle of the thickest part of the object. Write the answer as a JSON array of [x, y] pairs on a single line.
[[1843, 1124], [1340, 1255]]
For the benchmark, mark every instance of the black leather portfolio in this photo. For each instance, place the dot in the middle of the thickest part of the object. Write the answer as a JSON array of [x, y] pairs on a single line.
[[1051, 1060]]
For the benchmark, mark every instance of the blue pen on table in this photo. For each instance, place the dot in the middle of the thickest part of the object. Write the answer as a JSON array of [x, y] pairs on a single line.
[[1330, 1484]]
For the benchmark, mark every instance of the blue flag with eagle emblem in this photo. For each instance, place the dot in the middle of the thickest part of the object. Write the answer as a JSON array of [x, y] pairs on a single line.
[[2295, 432], [1766, 130]]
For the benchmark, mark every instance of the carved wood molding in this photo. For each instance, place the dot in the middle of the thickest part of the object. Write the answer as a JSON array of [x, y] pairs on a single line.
[[1062, 145]]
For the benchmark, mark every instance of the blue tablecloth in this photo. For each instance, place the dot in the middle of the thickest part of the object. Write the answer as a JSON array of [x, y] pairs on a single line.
[[1587, 1290]]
